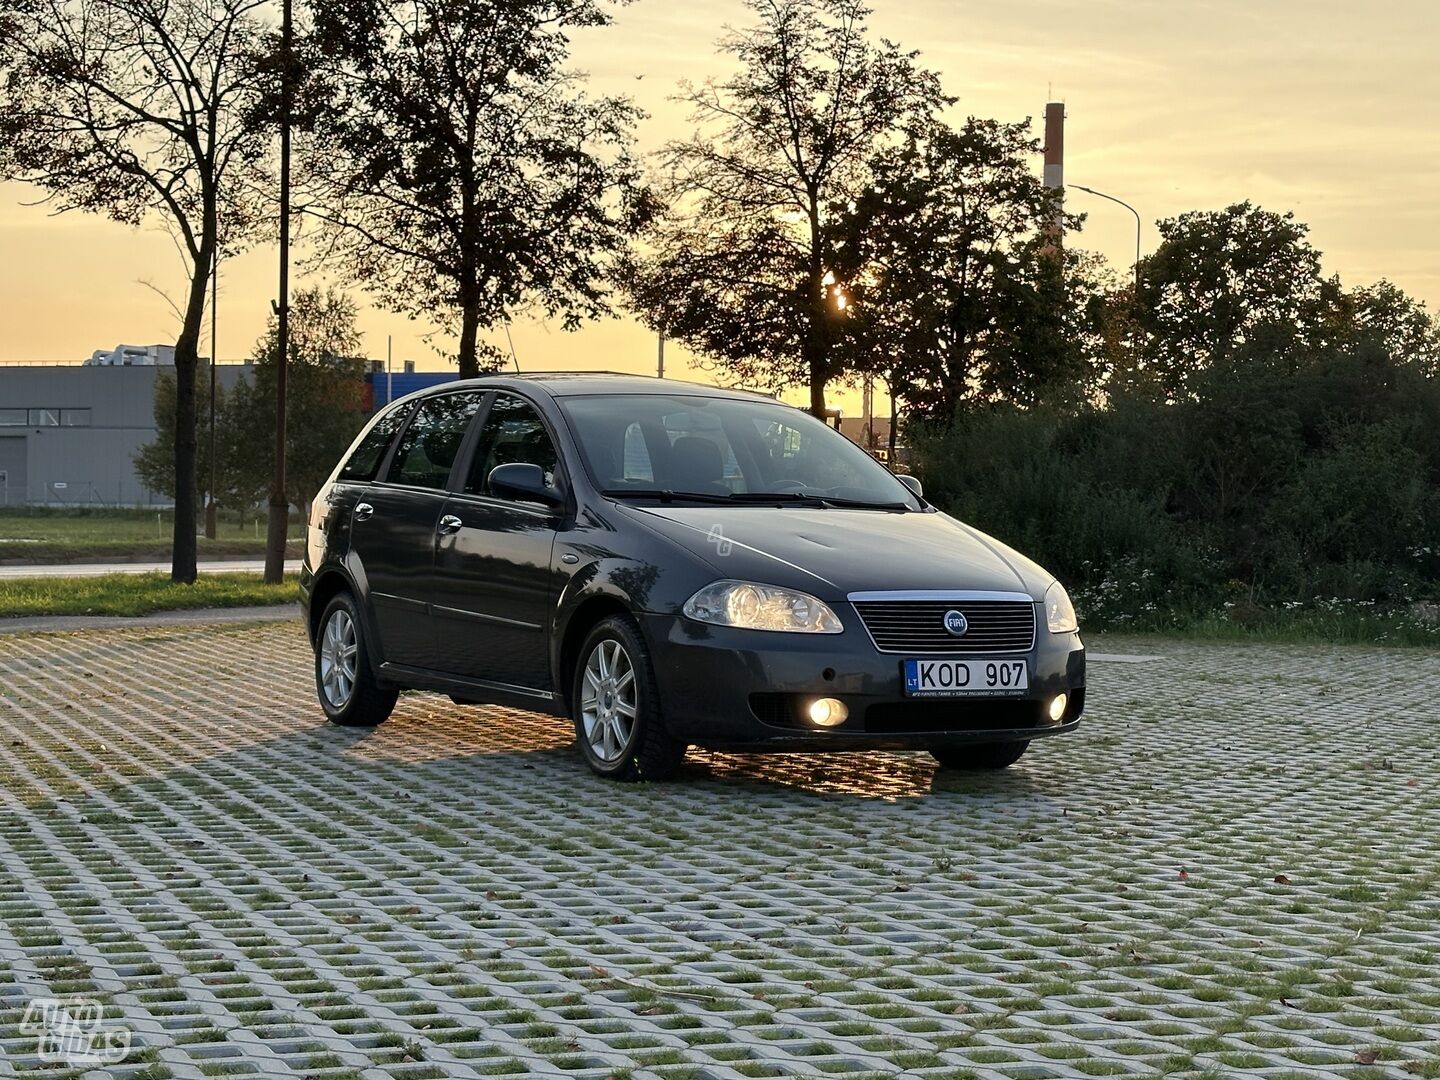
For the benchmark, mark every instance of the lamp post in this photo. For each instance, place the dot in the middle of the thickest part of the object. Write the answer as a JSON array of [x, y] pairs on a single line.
[[1138, 226], [278, 528], [211, 521]]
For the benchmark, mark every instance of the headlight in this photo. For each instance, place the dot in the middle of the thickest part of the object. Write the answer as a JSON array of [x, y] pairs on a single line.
[[761, 607], [1059, 612]]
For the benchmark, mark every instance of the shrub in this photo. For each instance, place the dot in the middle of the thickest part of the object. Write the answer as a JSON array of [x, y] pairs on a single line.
[[1278, 484]]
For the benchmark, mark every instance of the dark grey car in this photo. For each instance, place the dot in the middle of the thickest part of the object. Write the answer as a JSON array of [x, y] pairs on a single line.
[[671, 565]]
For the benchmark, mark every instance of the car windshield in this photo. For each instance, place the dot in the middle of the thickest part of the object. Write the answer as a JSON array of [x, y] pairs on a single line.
[[725, 449]]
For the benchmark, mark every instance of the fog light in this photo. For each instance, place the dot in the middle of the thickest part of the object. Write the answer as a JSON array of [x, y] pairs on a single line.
[[828, 712], [1057, 707]]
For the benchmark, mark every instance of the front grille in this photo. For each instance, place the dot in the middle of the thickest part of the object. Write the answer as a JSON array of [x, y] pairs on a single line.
[[894, 717], [917, 627]]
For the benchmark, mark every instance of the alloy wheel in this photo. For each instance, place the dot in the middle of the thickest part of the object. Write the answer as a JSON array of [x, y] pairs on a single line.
[[339, 652], [607, 703]]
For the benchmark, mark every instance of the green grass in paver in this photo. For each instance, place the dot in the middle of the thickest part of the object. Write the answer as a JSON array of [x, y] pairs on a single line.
[[1041, 930], [137, 594]]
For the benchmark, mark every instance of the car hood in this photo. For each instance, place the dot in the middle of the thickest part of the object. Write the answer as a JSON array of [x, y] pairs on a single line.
[[831, 553]]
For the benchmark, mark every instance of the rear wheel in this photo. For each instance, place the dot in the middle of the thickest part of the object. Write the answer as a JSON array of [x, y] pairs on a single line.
[[995, 755], [616, 707], [345, 678]]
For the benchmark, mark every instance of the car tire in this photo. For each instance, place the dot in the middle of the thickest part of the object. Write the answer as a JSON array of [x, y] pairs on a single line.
[[975, 756], [615, 703], [345, 679]]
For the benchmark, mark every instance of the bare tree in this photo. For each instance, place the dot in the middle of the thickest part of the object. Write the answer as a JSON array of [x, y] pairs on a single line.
[[141, 109], [741, 266], [456, 168]]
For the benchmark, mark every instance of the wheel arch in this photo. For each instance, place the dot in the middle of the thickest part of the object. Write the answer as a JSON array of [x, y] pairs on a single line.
[[330, 582], [588, 612]]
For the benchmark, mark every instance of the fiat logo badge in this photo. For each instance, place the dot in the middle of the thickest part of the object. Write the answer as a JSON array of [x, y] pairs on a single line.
[[956, 623]]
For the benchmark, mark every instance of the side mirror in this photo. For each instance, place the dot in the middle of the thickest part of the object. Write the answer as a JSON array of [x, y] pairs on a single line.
[[523, 482], [916, 488]]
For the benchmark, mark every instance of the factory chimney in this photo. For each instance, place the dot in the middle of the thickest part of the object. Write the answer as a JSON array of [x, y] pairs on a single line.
[[1055, 163]]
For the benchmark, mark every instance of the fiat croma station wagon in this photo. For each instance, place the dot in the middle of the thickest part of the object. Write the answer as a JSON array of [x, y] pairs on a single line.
[[672, 565]]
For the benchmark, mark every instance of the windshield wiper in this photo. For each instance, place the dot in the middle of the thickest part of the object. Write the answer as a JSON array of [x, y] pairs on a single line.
[[666, 495], [812, 499], [862, 504]]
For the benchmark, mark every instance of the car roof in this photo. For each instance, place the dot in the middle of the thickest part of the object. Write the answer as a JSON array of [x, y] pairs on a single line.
[[561, 384]]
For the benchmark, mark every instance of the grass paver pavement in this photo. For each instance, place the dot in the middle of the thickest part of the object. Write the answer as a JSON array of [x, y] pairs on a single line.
[[1230, 870]]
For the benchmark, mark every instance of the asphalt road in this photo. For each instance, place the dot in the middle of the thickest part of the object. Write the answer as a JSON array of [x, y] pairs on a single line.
[[222, 566]]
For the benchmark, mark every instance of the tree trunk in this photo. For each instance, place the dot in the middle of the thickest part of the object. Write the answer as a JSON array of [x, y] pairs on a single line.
[[817, 389], [469, 333], [182, 552], [815, 348], [894, 421], [816, 352]]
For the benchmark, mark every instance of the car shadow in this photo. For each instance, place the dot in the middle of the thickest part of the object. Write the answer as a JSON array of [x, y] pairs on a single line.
[[430, 728], [462, 756]]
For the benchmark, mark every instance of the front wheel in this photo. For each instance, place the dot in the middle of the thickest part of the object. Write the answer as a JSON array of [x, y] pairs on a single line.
[[616, 707], [994, 755], [344, 676]]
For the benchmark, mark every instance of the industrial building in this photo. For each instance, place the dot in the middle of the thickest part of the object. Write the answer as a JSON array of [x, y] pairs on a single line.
[[69, 432]]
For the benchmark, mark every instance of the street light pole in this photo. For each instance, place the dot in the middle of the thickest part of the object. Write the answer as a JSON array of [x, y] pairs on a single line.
[[1138, 226], [211, 522], [278, 525]]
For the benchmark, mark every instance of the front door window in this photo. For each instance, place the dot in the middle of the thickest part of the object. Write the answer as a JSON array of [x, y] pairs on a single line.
[[513, 432]]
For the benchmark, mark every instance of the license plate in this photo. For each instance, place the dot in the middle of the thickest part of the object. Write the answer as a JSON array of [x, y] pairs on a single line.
[[965, 678]]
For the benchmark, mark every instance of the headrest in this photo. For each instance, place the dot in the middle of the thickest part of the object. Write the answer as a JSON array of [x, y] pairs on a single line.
[[442, 446], [695, 461]]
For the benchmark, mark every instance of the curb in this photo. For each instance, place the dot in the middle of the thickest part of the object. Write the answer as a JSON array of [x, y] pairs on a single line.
[[35, 624]]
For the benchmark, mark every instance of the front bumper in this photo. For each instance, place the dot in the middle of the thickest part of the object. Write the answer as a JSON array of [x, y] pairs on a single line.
[[726, 688]]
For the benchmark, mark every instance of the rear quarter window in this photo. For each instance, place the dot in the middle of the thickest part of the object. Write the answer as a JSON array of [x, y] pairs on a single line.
[[364, 460]]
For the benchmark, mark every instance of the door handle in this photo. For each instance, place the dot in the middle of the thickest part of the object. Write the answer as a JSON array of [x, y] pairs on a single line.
[[363, 511], [449, 524]]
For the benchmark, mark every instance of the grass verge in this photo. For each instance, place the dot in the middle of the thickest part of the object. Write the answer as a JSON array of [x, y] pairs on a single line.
[[137, 594], [1351, 624], [40, 535]]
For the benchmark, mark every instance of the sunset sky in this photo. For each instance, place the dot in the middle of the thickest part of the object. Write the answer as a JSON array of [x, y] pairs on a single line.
[[1323, 107]]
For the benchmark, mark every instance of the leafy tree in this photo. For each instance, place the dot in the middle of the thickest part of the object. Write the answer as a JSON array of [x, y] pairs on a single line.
[[1380, 317], [325, 400], [960, 294], [142, 109], [155, 462], [1243, 284], [741, 267], [457, 170], [1220, 282]]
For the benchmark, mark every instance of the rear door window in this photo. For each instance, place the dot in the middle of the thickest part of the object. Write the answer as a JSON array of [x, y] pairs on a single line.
[[427, 450]]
